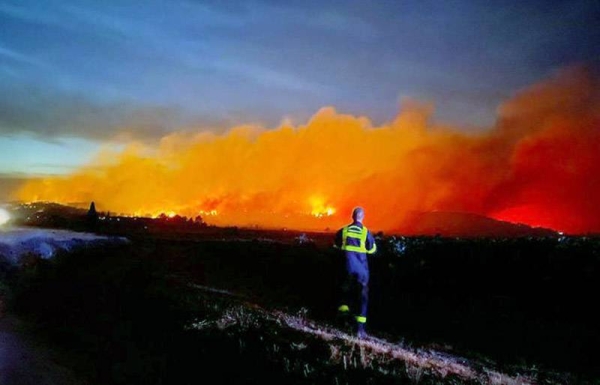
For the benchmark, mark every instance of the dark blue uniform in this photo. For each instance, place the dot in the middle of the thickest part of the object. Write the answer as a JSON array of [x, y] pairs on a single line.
[[356, 241]]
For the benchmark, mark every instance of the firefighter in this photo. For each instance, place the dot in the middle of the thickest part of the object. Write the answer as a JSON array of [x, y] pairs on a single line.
[[356, 241]]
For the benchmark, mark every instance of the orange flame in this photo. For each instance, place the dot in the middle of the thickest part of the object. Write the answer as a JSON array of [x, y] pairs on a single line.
[[537, 165]]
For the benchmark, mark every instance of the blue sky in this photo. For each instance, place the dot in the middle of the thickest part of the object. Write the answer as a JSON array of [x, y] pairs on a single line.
[[74, 74]]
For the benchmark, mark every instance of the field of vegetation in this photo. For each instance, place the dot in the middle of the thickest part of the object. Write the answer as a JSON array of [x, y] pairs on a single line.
[[175, 309]]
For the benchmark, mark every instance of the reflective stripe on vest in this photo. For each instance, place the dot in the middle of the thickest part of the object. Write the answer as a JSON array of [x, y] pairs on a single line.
[[356, 232]]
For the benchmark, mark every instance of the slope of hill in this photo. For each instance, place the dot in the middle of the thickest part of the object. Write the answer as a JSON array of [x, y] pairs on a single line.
[[455, 224]]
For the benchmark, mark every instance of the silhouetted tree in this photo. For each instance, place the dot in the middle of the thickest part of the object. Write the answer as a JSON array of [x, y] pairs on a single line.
[[92, 216], [92, 211]]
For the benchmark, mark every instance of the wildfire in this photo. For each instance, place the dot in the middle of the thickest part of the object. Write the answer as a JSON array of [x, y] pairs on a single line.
[[319, 208], [536, 165], [172, 214]]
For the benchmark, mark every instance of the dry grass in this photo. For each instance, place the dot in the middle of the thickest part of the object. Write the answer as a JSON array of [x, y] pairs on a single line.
[[344, 351]]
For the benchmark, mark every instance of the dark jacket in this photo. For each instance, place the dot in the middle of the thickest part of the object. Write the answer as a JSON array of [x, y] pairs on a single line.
[[356, 241]]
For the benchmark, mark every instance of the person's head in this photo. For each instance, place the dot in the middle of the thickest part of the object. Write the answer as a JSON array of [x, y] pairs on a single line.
[[358, 214]]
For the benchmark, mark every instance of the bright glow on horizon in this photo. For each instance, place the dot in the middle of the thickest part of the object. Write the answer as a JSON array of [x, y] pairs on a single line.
[[320, 208], [4, 217]]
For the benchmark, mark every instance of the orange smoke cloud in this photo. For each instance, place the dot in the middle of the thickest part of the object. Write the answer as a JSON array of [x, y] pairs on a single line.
[[537, 165]]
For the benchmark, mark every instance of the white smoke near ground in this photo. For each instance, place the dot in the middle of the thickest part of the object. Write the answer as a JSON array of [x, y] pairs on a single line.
[[18, 242]]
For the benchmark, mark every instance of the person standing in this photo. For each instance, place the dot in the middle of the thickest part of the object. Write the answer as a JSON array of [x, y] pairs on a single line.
[[356, 241]]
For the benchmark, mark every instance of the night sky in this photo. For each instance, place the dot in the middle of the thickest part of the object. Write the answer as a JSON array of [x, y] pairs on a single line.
[[77, 75]]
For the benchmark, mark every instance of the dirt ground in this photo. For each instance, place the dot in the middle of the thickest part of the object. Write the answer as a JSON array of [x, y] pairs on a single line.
[[23, 363]]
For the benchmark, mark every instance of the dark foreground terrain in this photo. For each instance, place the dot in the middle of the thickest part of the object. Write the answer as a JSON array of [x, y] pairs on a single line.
[[184, 309]]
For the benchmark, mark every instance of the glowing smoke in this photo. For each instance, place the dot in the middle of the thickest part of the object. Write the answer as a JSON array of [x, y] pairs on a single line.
[[537, 165]]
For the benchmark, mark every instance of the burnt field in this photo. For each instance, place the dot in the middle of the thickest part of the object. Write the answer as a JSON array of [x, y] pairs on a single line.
[[255, 306]]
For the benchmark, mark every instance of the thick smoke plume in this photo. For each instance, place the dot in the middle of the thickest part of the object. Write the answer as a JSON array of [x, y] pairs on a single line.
[[537, 165]]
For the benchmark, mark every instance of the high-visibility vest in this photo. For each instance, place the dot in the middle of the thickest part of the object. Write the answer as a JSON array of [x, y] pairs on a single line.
[[356, 232]]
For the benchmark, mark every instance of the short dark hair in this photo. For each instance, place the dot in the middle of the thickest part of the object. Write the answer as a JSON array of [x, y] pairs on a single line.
[[358, 213]]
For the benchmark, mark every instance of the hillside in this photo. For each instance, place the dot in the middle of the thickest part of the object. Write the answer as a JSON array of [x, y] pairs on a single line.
[[454, 224]]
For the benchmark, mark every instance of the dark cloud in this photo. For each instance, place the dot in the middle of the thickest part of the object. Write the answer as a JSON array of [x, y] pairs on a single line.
[[95, 67]]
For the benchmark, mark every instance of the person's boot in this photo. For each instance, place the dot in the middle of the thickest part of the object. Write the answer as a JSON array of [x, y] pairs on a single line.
[[343, 319], [360, 330]]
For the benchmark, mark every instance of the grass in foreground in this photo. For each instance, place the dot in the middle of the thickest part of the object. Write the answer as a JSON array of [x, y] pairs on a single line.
[[121, 318]]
